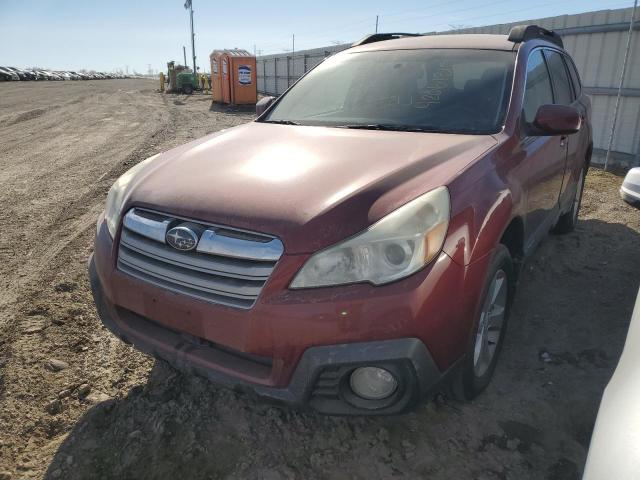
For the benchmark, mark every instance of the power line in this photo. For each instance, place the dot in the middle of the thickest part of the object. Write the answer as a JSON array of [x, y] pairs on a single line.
[[473, 19], [466, 9], [328, 33], [383, 17]]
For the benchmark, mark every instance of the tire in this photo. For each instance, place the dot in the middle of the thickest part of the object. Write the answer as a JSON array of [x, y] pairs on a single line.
[[476, 369], [568, 221], [188, 89]]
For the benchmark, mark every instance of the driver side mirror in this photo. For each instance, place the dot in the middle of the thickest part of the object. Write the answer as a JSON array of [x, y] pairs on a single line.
[[263, 104], [557, 120]]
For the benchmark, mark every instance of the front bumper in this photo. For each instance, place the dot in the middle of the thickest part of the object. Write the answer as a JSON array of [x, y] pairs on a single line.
[[320, 379]]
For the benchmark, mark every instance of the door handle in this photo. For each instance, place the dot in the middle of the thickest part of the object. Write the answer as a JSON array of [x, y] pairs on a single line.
[[563, 140]]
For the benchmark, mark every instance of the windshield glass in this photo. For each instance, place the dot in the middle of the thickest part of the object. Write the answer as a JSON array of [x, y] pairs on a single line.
[[443, 90]]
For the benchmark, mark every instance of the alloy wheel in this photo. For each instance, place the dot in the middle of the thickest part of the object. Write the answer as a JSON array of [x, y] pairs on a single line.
[[490, 324]]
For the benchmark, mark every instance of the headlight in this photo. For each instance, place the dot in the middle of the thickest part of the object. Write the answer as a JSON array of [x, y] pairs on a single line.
[[115, 198], [396, 246]]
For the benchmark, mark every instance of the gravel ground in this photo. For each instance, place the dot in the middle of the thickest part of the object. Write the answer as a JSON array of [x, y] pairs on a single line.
[[77, 403]]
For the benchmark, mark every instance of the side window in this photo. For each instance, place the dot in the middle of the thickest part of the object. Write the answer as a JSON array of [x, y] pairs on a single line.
[[561, 82], [537, 91], [575, 78]]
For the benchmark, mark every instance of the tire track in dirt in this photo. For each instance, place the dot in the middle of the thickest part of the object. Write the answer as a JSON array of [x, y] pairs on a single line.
[[56, 233], [48, 286]]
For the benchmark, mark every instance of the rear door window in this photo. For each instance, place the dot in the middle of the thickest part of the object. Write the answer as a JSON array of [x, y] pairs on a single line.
[[575, 78], [538, 90], [561, 83]]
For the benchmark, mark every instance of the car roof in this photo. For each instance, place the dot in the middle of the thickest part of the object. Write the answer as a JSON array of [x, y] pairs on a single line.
[[478, 41]]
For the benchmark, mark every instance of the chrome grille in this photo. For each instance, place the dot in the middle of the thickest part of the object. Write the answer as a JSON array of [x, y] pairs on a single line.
[[228, 266]]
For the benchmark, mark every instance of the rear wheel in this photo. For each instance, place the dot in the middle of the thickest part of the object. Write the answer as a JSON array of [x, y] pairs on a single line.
[[568, 221], [484, 347]]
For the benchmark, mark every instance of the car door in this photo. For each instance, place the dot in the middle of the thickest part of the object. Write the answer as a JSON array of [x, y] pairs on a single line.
[[564, 95], [579, 142], [545, 155]]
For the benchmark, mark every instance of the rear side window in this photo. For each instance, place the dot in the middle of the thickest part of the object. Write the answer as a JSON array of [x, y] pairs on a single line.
[[538, 90], [575, 78], [561, 82]]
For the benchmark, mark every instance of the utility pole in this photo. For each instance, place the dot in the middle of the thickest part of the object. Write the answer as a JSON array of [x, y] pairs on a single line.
[[624, 69], [188, 4], [376, 23], [184, 54], [293, 45]]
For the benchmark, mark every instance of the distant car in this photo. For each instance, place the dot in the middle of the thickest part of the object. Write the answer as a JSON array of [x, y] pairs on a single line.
[[49, 75], [23, 74], [15, 74], [614, 451], [630, 189], [63, 75], [7, 74], [36, 75], [29, 74], [39, 75], [18, 72]]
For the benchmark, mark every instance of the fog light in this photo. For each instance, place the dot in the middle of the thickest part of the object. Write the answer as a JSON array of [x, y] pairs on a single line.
[[373, 383]]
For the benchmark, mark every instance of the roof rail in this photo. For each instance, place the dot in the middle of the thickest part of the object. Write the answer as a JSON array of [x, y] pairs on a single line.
[[522, 33], [379, 37]]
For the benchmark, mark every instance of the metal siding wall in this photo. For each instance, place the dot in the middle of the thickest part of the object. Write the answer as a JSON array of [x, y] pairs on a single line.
[[597, 55], [310, 58]]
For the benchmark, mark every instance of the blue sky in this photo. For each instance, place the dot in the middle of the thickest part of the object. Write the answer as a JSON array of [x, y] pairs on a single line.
[[111, 34]]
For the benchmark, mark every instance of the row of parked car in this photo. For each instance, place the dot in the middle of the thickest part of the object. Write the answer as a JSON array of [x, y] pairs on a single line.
[[15, 74]]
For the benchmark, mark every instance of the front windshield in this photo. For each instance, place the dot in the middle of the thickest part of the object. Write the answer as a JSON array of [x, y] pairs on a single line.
[[442, 90]]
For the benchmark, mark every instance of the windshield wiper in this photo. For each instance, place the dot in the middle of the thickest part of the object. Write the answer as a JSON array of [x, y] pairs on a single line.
[[392, 127], [281, 122]]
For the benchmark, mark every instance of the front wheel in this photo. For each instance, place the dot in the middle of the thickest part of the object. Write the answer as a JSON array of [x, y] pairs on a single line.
[[489, 328], [568, 221], [188, 89]]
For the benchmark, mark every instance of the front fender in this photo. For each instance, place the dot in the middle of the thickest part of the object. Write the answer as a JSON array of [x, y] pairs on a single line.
[[481, 212]]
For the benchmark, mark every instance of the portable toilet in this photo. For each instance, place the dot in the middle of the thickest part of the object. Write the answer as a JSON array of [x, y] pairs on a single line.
[[239, 83], [216, 75]]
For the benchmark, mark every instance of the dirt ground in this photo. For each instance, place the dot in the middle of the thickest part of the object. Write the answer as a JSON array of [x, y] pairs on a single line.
[[75, 402]]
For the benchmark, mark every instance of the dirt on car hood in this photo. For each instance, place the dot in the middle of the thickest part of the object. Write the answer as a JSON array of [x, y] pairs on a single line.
[[310, 186]]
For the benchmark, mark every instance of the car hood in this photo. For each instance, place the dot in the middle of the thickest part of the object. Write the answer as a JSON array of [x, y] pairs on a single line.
[[310, 186]]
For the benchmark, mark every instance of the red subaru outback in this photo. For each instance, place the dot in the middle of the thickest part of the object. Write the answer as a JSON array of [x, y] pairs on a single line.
[[358, 244]]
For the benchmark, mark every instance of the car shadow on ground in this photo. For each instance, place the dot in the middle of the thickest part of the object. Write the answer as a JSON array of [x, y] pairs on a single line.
[[565, 335]]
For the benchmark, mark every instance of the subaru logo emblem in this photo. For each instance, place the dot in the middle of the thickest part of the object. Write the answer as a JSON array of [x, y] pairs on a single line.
[[182, 238]]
